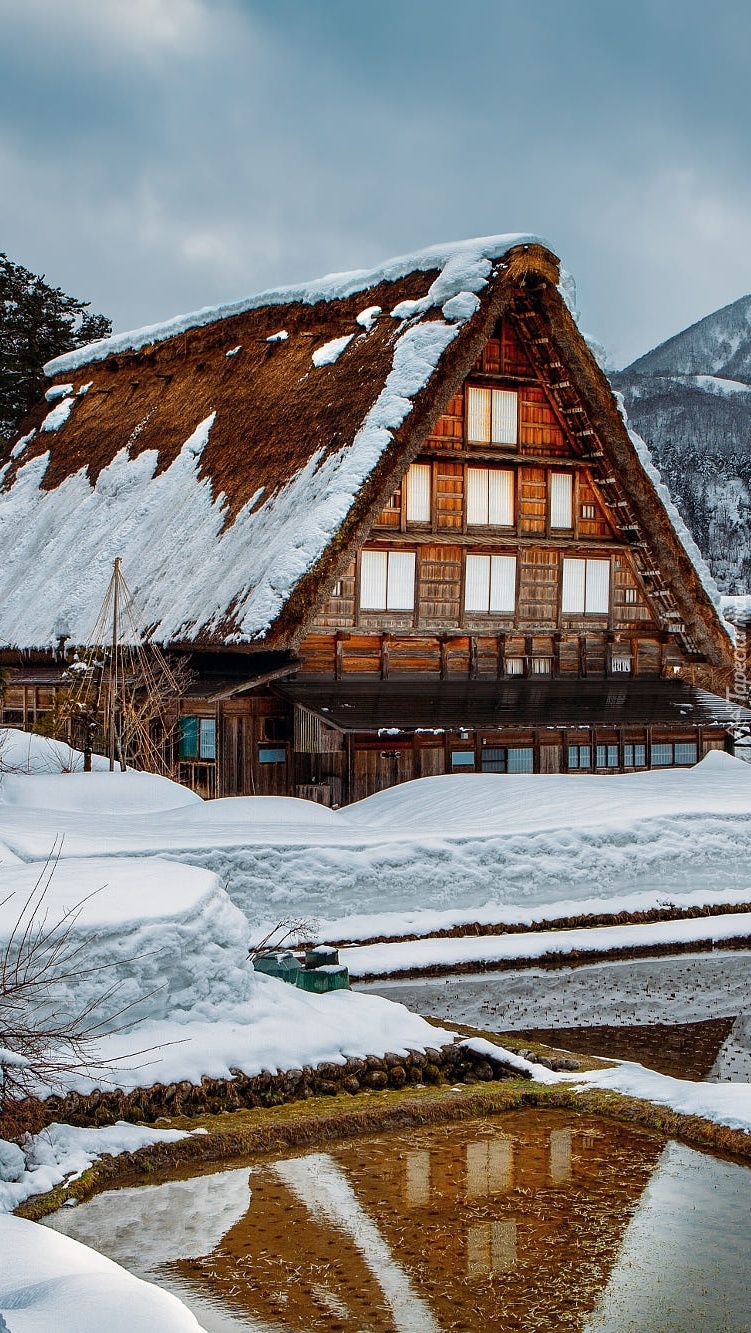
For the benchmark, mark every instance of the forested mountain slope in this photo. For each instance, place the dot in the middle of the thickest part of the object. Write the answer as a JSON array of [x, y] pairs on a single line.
[[690, 398]]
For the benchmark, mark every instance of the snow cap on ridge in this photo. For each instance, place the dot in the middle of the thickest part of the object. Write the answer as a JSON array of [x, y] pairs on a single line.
[[462, 265]]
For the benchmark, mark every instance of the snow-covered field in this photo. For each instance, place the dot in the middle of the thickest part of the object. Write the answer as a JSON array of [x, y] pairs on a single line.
[[166, 891], [447, 845]]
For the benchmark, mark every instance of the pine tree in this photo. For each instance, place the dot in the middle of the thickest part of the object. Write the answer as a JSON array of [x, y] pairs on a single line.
[[37, 322]]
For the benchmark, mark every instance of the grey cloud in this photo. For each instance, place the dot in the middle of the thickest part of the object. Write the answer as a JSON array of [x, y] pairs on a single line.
[[178, 153]]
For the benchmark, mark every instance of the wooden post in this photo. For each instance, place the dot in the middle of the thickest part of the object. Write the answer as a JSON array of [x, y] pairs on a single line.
[[113, 663]]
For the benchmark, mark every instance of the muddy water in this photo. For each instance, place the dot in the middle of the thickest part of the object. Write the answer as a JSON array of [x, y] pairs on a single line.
[[682, 1016], [514, 1223]]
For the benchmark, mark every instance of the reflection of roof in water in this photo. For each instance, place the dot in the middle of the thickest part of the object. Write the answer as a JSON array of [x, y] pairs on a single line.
[[481, 1221]]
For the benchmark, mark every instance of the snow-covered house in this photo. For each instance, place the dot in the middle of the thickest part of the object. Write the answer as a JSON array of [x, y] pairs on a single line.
[[395, 518]]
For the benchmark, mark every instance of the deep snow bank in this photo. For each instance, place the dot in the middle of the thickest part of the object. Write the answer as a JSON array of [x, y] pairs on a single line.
[[170, 946], [166, 937], [443, 843], [99, 794], [22, 752], [49, 1281]]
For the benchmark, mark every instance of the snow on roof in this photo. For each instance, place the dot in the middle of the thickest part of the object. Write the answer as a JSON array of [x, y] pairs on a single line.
[[188, 571], [232, 487], [462, 265], [214, 528]]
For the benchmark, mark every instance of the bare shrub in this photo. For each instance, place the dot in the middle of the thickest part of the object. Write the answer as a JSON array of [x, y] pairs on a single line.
[[43, 1041], [289, 931]]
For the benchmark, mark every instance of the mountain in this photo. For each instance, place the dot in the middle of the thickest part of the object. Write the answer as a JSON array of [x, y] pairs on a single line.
[[690, 398]]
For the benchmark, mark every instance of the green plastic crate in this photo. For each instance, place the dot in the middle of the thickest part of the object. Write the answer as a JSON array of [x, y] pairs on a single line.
[[319, 980], [322, 956], [278, 963]]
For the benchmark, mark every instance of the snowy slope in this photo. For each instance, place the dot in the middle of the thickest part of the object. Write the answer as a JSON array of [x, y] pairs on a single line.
[[719, 344], [690, 398]]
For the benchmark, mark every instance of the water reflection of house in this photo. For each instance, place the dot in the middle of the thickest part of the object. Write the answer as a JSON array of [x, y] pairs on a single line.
[[395, 520], [487, 1220]]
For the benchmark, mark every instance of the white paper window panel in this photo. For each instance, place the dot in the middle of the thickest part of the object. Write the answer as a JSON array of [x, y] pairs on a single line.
[[478, 416], [504, 416], [597, 598], [373, 580], [418, 493], [490, 583], [477, 495], [561, 500], [502, 582], [477, 583], [514, 666], [400, 592], [490, 497], [500, 498], [574, 575]]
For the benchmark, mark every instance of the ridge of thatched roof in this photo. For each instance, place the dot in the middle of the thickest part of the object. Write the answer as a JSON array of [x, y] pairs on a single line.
[[234, 459], [459, 266]]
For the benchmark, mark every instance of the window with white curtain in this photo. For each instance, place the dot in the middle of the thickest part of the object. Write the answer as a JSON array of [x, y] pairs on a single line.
[[490, 583], [490, 497], [492, 416], [586, 587], [387, 581], [561, 500], [418, 493]]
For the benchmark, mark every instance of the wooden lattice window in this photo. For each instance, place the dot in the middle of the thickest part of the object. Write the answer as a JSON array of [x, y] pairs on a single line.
[[490, 583], [490, 497], [492, 416], [387, 581]]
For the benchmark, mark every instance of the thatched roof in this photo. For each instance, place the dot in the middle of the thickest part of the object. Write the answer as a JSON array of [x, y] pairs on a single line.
[[233, 458]]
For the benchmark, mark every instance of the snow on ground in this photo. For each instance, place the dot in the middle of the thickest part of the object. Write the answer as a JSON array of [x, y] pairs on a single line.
[[723, 1103], [101, 793], [169, 889], [150, 927], [63, 1152], [382, 959], [50, 1282], [277, 1027], [21, 752], [422, 922], [450, 844]]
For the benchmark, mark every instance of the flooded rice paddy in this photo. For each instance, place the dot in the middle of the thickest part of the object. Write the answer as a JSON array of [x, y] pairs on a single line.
[[684, 1015], [533, 1220]]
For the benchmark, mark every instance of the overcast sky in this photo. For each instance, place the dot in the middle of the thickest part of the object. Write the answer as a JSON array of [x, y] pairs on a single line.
[[160, 155]]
